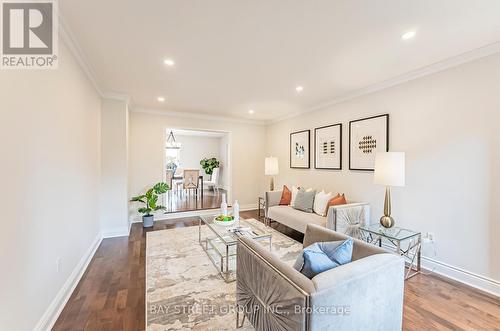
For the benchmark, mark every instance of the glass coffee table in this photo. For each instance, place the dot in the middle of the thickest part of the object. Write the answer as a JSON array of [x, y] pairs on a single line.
[[219, 242]]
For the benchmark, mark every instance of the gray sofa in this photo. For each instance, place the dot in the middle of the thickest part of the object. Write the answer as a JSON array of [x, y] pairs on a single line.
[[366, 294], [344, 218]]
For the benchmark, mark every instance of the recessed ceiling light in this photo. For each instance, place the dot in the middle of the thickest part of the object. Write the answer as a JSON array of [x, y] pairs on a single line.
[[169, 62], [161, 99], [250, 111], [408, 35], [299, 89]]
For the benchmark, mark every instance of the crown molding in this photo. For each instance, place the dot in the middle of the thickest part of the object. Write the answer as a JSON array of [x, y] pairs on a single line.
[[69, 40], [118, 97], [463, 58], [199, 116]]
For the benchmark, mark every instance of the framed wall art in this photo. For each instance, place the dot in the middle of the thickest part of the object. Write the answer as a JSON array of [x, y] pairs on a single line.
[[328, 147], [367, 136], [300, 144]]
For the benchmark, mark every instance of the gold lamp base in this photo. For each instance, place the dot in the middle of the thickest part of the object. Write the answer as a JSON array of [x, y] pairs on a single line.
[[271, 184], [386, 220]]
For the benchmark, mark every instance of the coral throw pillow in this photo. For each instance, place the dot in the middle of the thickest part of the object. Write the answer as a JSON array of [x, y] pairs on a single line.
[[286, 196], [335, 201]]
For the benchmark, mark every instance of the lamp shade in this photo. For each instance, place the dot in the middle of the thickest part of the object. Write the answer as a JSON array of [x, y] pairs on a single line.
[[390, 169], [271, 165]]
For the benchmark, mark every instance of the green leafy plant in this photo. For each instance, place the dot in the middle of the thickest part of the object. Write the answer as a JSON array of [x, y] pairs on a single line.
[[150, 198], [209, 165]]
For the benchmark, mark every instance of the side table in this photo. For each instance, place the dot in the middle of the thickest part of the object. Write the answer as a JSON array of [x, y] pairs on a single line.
[[261, 216], [407, 243]]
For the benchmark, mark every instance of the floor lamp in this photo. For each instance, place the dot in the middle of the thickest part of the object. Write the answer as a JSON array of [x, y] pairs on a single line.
[[389, 171], [271, 169]]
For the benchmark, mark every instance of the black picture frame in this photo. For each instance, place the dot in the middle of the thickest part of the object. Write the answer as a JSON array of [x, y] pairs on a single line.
[[316, 147], [351, 167], [308, 149]]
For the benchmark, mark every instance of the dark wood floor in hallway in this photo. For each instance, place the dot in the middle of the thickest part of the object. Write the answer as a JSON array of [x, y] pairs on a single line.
[[185, 200], [111, 294]]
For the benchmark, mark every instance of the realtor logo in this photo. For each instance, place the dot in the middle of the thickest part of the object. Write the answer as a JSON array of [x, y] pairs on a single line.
[[29, 34]]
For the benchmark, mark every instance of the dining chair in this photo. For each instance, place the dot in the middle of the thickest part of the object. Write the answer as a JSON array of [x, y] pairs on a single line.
[[214, 180], [169, 179], [177, 183], [190, 180]]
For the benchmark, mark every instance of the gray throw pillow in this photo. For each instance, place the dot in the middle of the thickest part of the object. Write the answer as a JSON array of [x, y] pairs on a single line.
[[304, 201]]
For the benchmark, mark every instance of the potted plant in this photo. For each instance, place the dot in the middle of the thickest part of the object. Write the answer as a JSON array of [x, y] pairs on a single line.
[[209, 165], [150, 198]]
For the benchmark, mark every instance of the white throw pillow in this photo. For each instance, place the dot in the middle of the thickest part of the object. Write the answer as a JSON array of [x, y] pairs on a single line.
[[295, 190], [320, 201]]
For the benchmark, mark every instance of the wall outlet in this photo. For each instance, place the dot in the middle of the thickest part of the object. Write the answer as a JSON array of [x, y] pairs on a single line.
[[59, 264]]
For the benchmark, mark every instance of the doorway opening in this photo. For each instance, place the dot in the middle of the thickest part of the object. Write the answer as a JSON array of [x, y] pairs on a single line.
[[197, 169]]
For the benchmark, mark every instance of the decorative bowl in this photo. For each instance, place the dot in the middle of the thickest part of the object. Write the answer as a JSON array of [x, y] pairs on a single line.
[[224, 220]]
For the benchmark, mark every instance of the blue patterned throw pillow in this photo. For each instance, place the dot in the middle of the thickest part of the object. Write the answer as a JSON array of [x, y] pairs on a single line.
[[323, 256]]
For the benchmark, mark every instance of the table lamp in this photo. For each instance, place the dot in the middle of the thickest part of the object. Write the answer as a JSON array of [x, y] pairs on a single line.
[[271, 169], [389, 171]]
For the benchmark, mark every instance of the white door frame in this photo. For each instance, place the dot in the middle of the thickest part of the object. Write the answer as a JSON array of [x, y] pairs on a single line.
[[228, 167]]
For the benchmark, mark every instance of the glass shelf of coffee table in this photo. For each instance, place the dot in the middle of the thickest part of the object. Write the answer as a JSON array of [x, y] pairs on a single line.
[[220, 243]]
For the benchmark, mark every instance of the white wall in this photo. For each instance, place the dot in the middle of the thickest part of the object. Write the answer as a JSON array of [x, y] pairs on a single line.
[[196, 148], [114, 167], [448, 124], [147, 134], [225, 170], [50, 173]]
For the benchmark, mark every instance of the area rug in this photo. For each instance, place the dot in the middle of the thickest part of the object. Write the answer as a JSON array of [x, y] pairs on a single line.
[[184, 290]]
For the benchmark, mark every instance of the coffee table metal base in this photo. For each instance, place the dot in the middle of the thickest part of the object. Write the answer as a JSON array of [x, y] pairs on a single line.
[[222, 255]]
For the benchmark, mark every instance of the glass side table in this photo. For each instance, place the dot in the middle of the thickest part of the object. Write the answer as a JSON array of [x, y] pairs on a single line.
[[407, 243], [262, 210]]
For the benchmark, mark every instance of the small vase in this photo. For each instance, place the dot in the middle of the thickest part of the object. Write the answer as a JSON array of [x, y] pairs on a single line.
[[223, 205]]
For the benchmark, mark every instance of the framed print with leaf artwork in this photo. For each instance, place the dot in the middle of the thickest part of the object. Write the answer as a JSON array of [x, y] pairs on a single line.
[[299, 149], [328, 147], [367, 136]]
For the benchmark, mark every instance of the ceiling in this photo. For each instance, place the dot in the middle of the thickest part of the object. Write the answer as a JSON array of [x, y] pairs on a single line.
[[232, 56]]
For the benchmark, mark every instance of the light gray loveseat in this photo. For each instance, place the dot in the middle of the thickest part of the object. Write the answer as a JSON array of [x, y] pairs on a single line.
[[366, 294], [343, 218]]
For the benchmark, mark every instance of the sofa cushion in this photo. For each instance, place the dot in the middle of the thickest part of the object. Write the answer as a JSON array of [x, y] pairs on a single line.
[[323, 256], [295, 190], [305, 200], [294, 218], [336, 201], [286, 196], [320, 201]]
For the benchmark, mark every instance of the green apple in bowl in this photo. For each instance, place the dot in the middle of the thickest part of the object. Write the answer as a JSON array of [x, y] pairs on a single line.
[[224, 218]]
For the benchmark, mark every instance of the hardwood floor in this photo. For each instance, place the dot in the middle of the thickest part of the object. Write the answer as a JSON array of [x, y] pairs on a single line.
[[111, 294], [179, 201]]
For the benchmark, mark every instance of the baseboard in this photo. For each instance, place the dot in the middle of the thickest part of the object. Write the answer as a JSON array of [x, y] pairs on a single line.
[[460, 275], [182, 214], [472, 279], [55, 308], [251, 206], [116, 232], [169, 216]]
